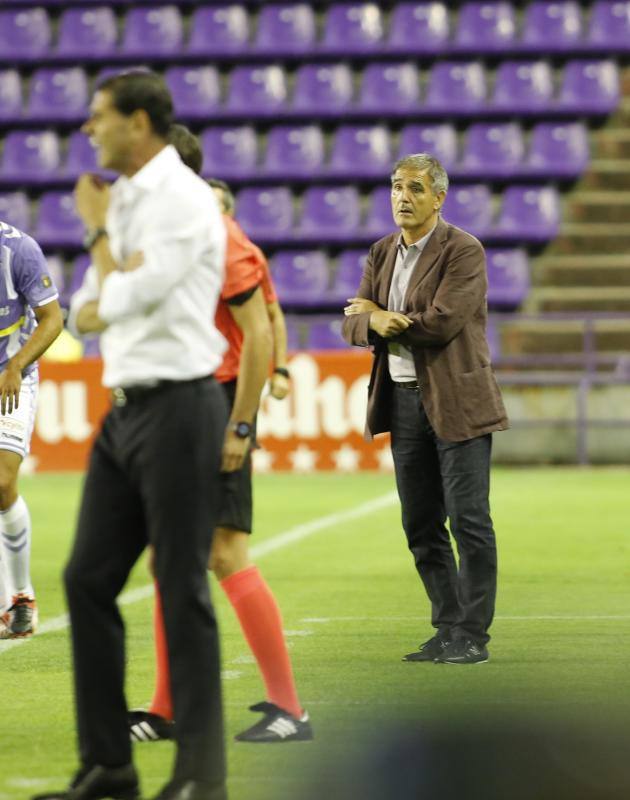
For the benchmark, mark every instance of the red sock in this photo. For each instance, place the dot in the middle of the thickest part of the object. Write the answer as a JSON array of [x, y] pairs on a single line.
[[261, 622], [162, 703]]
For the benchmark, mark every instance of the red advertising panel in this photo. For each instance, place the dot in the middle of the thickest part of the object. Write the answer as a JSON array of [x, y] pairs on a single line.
[[318, 427]]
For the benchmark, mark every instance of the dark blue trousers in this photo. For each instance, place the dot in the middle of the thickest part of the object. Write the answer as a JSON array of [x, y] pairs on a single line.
[[439, 480]]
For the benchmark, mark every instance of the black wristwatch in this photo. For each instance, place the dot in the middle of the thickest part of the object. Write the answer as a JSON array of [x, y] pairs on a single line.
[[92, 237], [242, 429]]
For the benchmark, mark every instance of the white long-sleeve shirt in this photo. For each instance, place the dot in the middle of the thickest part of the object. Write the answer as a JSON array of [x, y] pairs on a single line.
[[160, 316]]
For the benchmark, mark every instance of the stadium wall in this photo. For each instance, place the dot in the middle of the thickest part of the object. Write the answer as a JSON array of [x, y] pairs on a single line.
[[320, 426]]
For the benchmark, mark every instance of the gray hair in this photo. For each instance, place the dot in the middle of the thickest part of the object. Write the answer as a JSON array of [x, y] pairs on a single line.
[[425, 162]]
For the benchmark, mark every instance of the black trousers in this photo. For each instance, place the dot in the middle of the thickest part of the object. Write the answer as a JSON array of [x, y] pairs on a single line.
[[437, 480], [153, 478]]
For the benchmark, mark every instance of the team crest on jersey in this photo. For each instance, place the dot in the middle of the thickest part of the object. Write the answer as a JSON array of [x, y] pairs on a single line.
[[46, 282]]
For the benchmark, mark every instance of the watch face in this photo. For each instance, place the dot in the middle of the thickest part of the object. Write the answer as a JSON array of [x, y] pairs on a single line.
[[242, 429]]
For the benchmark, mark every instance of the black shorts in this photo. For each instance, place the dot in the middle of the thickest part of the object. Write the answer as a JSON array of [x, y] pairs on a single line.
[[236, 508]]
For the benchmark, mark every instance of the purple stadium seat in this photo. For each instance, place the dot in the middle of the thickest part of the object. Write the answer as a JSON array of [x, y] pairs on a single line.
[[470, 208], [493, 150], [485, 27], [153, 32], [350, 266], [523, 87], [419, 28], [30, 156], [552, 26], [301, 277], [15, 209], [82, 157], [293, 333], [508, 277], [219, 29], [330, 212], [57, 222], [457, 87], [323, 88], [87, 33], [79, 268], [529, 213], [294, 150], [58, 94], [440, 140], [379, 221], [10, 94], [266, 214], [387, 88], [258, 90], [56, 270], [494, 338], [196, 91], [361, 150], [558, 150], [353, 28], [229, 151], [590, 87], [289, 27], [25, 35], [326, 335], [609, 26]]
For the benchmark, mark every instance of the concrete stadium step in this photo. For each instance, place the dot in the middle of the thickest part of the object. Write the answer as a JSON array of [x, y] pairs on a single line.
[[582, 270], [591, 237], [535, 336], [611, 143], [606, 174], [598, 206], [579, 298]]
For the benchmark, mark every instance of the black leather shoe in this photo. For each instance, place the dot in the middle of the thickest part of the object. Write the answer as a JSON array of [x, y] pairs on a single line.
[[96, 783], [192, 790], [430, 650], [464, 651]]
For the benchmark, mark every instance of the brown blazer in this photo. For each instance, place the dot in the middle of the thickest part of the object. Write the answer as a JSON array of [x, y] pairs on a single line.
[[446, 298]]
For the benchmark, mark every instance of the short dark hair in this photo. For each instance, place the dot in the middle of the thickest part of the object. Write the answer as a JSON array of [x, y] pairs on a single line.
[[228, 197], [141, 89], [187, 145], [422, 162]]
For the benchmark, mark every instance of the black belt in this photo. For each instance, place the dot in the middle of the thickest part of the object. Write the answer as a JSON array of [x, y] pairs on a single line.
[[407, 384], [121, 395]]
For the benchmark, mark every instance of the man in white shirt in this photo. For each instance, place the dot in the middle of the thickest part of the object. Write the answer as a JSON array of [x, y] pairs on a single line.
[[154, 468]]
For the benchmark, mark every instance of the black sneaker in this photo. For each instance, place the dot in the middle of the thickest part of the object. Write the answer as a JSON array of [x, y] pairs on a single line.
[[23, 614], [277, 726], [464, 651], [96, 783], [429, 650], [147, 727]]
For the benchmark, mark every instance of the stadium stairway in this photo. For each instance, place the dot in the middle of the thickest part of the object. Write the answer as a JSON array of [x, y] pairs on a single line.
[[587, 267]]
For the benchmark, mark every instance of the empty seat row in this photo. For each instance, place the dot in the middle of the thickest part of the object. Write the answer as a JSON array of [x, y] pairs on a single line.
[[293, 29], [297, 152], [326, 214], [323, 91], [310, 279]]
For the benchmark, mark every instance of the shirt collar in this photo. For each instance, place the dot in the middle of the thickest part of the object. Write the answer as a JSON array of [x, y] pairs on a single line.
[[151, 174], [419, 245]]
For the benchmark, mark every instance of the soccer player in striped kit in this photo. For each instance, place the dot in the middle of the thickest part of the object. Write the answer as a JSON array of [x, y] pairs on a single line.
[[30, 320]]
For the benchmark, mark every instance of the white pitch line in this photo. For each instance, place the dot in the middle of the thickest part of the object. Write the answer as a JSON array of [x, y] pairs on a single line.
[[281, 540], [560, 617]]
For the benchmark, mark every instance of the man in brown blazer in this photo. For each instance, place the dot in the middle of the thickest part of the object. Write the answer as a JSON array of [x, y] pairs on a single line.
[[422, 307]]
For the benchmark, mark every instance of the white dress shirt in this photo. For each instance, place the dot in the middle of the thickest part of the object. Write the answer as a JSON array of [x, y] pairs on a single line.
[[400, 358], [87, 293], [160, 316]]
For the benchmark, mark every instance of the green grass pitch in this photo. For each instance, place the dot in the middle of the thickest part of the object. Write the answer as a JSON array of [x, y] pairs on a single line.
[[353, 606]]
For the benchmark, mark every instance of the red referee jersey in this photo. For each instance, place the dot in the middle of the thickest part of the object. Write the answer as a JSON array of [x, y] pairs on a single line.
[[245, 267]]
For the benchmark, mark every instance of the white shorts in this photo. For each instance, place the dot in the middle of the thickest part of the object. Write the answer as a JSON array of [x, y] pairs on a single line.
[[16, 428]]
